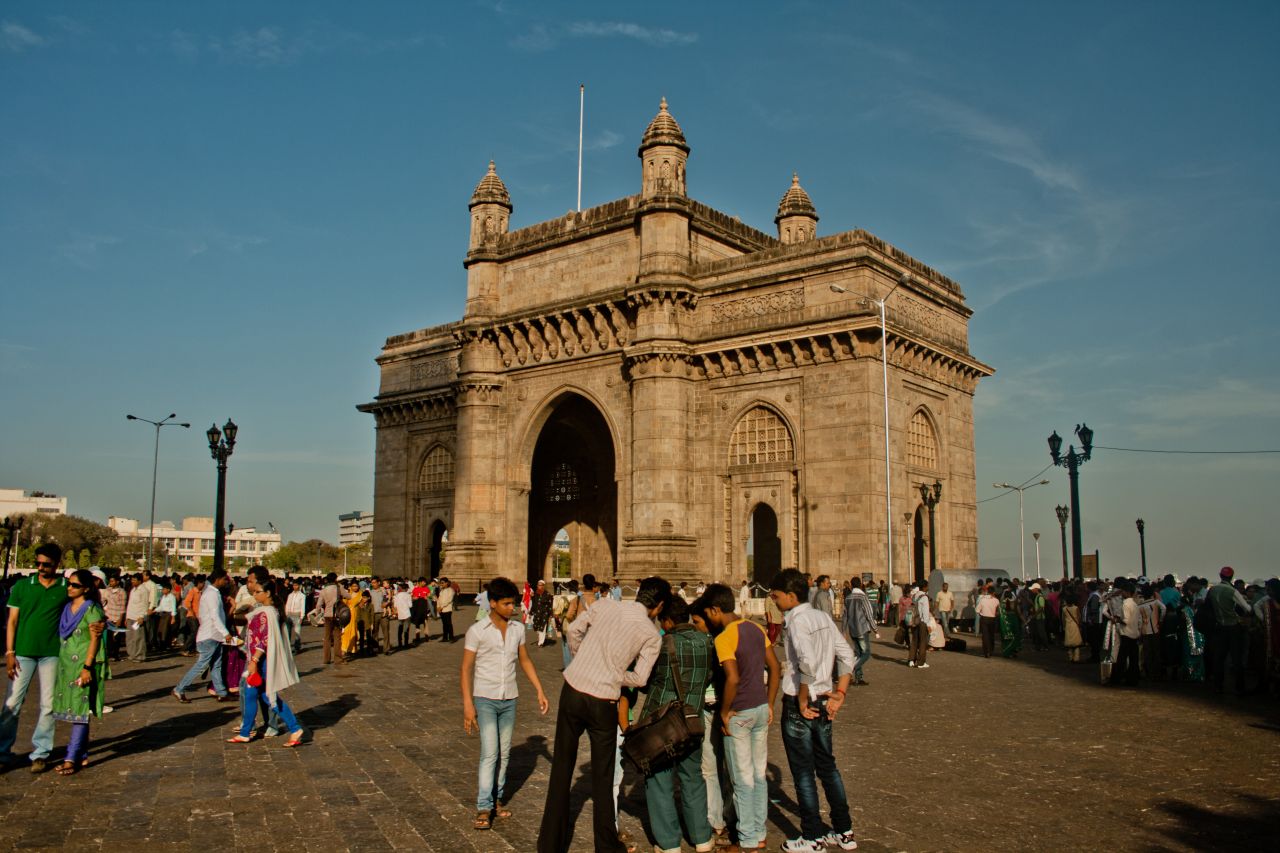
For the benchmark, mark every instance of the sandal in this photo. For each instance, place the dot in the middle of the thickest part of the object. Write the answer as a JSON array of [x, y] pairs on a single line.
[[239, 739], [295, 739], [68, 768], [482, 821], [183, 699], [502, 811]]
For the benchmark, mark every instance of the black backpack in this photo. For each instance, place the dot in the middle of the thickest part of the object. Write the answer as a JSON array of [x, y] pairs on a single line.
[[342, 614]]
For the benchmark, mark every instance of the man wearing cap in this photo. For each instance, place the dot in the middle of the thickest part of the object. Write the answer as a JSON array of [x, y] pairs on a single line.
[[1039, 636], [1229, 637]]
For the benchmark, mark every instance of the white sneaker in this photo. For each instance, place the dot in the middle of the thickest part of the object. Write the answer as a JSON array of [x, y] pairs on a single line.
[[843, 840], [107, 709], [922, 666], [802, 845], [911, 663]]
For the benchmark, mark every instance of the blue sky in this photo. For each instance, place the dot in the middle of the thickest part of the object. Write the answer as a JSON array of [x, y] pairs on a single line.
[[223, 209]]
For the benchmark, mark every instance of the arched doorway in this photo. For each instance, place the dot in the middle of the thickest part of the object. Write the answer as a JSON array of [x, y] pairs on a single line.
[[560, 559], [572, 491], [435, 551], [920, 543], [764, 547]]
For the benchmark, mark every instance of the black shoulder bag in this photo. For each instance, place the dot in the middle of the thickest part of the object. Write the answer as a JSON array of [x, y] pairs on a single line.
[[668, 734]]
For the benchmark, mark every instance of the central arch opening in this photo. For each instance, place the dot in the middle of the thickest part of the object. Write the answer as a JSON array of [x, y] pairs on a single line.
[[764, 548], [573, 494]]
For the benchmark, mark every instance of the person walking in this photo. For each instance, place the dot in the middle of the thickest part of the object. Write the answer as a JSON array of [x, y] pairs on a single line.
[[1130, 629], [860, 624], [810, 703], [82, 667], [1229, 638], [540, 612], [752, 676], [269, 665], [327, 602], [615, 644], [295, 607], [988, 610], [921, 619], [685, 663], [114, 601], [403, 603], [945, 605], [492, 649], [445, 606], [135, 616], [822, 594], [209, 638]]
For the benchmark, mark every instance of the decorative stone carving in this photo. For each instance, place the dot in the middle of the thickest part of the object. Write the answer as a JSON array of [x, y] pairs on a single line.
[[435, 368], [758, 306]]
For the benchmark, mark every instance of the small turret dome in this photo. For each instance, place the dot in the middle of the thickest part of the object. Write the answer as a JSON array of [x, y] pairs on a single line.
[[663, 130], [491, 190], [795, 202]]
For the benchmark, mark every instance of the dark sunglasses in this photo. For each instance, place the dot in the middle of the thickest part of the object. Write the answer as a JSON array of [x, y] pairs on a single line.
[[74, 585], [45, 565]]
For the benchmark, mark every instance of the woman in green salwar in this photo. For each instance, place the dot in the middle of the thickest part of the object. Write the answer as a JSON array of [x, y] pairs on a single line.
[[82, 667], [1190, 640], [1010, 629]]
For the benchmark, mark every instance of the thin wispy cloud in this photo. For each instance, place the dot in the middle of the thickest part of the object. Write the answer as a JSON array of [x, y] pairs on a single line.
[[84, 250], [17, 39], [540, 37], [272, 46]]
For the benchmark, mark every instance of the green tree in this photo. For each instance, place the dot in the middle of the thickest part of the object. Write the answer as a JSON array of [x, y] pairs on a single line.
[[72, 532]]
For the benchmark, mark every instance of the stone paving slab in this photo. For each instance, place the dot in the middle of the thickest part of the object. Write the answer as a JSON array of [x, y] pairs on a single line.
[[972, 754]]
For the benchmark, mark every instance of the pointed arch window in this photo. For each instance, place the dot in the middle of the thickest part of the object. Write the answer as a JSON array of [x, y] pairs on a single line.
[[436, 473], [760, 436], [922, 442]]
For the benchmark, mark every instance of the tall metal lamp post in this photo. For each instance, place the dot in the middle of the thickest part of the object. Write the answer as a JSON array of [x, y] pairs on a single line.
[[884, 367], [1142, 540], [12, 527], [155, 467], [1072, 462], [221, 444], [1036, 536], [1022, 534], [930, 497], [1063, 512]]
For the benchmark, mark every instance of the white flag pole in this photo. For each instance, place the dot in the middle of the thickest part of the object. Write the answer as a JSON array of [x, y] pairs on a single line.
[[582, 103]]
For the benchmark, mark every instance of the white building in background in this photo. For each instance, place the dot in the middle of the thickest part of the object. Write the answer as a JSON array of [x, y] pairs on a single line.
[[27, 502], [195, 539], [354, 527]]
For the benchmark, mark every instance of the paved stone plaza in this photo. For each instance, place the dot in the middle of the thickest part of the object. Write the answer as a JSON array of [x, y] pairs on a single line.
[[969, 755]]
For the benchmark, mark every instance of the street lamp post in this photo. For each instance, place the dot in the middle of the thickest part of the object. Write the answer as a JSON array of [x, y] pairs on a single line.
[[1036, 536], [1022, 535], [1142, 540], [12, 527], [155, 467], [884, 366], [930, 497], [1063, 512], [1072, 462], [221, 445]]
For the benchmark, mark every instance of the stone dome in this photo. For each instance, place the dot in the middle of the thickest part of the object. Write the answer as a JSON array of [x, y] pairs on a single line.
[[491, 189], [663, 130], [795, 202]]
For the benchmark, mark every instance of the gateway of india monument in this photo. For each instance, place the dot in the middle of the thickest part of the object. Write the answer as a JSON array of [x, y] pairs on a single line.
[[677, 390]]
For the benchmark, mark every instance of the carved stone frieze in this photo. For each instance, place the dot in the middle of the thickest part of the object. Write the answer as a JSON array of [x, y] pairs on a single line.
[[560, 335], [445, 367], [419, 408], [762, 305]]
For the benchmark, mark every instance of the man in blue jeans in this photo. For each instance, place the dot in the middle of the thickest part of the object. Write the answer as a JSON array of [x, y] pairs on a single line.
[[810, 702], [210, 637], [492, 648], [32, 644], [860, 623]]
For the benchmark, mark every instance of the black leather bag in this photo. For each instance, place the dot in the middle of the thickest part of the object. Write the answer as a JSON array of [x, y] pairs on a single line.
[[668, 734]]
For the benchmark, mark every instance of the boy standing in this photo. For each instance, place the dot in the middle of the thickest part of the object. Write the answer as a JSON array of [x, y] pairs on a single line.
[[491, 650], [746, 708], [809, 704]]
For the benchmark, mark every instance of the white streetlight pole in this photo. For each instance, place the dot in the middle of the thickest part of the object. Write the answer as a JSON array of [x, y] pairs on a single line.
[[884, 363], [1036, 536], [155, 467], [1022, 535]]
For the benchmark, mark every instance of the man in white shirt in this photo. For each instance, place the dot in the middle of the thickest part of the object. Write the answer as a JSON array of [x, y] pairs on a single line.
[[136, 614], [918, 632], [491, 650], [1130, 629], [295, 607], [444, 603], [988, 615], [810, 702], [209, 638]]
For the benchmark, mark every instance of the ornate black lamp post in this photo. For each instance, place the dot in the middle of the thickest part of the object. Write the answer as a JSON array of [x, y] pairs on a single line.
[[220, 446], [1072, 462], [930, 497], [1142, 540], [1063, 512], [12, 527]]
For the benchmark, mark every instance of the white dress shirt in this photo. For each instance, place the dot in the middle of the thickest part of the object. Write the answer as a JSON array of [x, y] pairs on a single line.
[[295, 604], [814, 645], [496, 658], [213, 624], [404, 604], [139, 603]]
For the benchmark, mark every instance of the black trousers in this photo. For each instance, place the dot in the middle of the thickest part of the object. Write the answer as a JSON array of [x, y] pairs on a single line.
[[446, 627], [989, 625], [1126, 665], [599, 718], [1094, 633]]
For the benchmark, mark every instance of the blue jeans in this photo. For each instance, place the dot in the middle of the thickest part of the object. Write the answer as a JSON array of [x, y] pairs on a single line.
[[713, 758], [861, 645], [746, 752], [42, 738], [497, 720], [209, 655], [256, 697], [808, 747], [945, 618]]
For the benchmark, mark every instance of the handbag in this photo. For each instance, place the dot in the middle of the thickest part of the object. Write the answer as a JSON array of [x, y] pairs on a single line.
[[670, 733], [900, 635]]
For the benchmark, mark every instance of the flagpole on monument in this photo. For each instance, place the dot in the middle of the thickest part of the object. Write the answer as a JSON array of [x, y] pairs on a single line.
[[582, 104]]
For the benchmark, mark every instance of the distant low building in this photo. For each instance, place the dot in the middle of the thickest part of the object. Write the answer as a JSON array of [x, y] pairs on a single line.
[[195, 539], [27, 502], [354, 527]]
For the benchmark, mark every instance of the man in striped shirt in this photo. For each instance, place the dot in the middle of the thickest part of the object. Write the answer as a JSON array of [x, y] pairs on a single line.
[[614, 645]]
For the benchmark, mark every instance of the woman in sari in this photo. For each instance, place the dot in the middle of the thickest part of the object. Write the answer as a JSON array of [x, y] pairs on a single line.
[[1072, 636], [1190, 641], [351, 633], [1010, 629], [269, 664], [82, 668]]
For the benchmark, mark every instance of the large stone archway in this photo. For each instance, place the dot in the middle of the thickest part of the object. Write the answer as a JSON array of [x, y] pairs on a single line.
[[572, 486]]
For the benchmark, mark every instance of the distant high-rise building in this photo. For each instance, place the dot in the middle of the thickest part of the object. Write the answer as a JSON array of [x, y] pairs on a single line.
[[355, 526]]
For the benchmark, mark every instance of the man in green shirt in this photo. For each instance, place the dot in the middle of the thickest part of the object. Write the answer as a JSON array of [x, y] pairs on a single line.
[[35, 606]]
